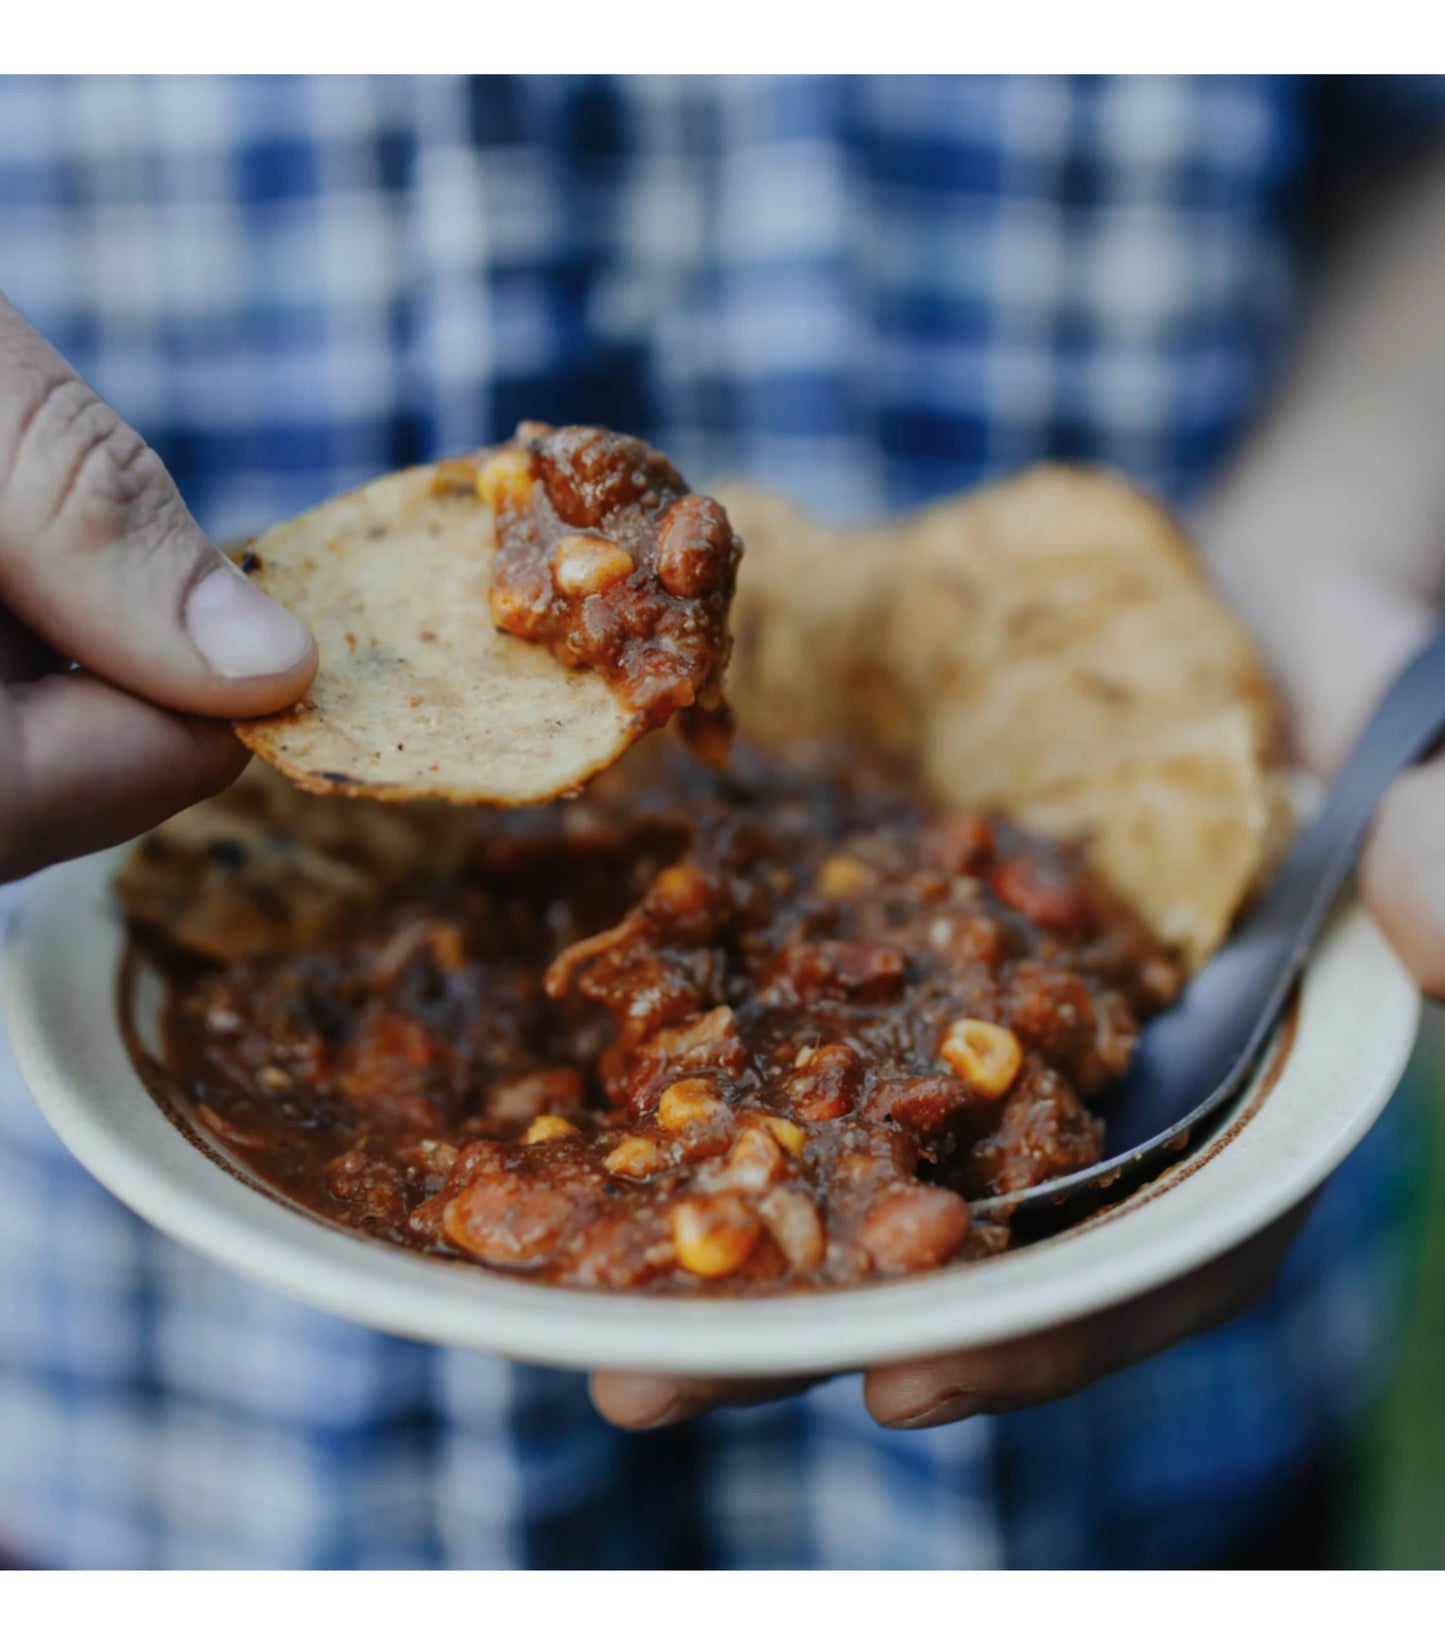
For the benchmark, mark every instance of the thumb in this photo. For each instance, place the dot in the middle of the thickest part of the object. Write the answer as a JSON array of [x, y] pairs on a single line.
[[101, 559]]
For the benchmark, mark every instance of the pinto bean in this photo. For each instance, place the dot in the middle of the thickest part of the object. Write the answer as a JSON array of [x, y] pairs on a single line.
[[1049, 899], [862, 972], [928, 1104], [507, 1220], [824, 1082], [913, 1227], [694, 546]]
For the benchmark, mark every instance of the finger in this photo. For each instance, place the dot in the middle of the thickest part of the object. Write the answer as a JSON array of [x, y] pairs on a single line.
[[637, 1402], [86, 766], [101, 559], [1030, 1370], [1402, 875], [23, 657]]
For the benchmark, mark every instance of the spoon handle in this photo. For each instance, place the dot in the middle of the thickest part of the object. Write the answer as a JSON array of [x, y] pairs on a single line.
[[1197, 1054], [1194, 1057]]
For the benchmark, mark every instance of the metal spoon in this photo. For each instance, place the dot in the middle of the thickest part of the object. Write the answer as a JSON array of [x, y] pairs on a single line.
[[1195, 1057]]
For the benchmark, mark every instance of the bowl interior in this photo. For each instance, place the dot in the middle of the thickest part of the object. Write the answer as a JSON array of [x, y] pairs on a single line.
[[1326, 1079]]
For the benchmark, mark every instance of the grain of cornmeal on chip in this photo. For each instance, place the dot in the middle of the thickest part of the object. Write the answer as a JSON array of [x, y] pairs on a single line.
[[1048, 647]]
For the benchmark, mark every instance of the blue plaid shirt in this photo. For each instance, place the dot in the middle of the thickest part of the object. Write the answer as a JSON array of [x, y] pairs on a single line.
[[867, 292]]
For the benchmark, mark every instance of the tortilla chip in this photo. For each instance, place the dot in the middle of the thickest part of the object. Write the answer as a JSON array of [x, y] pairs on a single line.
[[1048, 647], [1180, 834], [1079, 599], [418, 694], [266, 869], [802, 619]]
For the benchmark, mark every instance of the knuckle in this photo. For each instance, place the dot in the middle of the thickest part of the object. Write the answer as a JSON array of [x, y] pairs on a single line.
[[87, 477], [108, 472]]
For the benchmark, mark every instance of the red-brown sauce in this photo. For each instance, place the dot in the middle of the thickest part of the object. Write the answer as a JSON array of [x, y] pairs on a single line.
[[745, 1032]]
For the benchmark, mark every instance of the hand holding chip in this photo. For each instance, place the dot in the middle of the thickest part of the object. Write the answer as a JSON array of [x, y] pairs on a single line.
[[124, 633]]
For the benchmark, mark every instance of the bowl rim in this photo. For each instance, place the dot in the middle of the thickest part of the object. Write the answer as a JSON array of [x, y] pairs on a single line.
[[1357, 1016]]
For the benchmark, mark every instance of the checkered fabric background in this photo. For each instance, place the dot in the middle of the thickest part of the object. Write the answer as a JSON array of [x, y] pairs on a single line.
[[868, 292]]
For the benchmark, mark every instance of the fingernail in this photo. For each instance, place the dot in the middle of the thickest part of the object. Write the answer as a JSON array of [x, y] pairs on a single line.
[[239, 631], [953, 1407]]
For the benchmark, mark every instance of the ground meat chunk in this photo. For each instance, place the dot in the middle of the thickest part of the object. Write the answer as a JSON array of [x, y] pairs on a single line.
[[605, 558], [768, 1031]]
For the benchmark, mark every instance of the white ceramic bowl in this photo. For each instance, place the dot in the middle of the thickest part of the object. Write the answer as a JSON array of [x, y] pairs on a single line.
[[1332, 1073]]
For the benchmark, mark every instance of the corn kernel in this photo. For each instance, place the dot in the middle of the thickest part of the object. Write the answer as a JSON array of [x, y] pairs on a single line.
[[506, 479], [986, 1056], [635, 1157], [583, 564], [687, 1101], [447, 948], [548, 1129], [274, 1078], [791, 1136], [841, 876], [713, 1237], [682, 889]]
